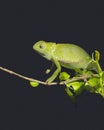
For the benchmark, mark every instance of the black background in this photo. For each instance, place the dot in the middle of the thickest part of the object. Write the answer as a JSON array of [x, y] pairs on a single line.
[[22, 23]]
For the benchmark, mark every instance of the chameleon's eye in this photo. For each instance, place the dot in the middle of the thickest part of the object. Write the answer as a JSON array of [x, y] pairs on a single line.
[[41, 46]]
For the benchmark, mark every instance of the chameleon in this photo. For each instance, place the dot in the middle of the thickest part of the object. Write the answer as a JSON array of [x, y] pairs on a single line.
[[66, 55]]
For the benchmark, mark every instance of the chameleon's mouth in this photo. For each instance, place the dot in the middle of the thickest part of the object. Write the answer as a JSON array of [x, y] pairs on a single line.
[[42, 54]]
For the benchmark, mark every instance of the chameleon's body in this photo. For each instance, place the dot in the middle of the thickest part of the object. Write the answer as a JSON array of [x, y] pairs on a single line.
[[71, 56], [67, 55]]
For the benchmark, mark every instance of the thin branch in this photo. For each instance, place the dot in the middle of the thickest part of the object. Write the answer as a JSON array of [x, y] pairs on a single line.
[[24, 77], [44, 83]]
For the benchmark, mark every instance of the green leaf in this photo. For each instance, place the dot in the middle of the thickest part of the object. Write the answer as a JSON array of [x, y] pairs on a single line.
[[102, 75], [70, 94], [92, 85], [88, 73], [94, 65], [76, 86], [64, 76], [100, 91], [93, 82], [34, 84], [96, 55]]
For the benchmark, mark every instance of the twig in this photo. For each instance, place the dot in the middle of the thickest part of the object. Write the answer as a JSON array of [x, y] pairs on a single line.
[[44, 83], [24, 77]]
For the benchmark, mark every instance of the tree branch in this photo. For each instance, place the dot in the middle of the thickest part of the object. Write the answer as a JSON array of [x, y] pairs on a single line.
[[44, 83]]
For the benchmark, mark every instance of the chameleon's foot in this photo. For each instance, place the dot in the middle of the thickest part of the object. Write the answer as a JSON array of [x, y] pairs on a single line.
[[48, 81]]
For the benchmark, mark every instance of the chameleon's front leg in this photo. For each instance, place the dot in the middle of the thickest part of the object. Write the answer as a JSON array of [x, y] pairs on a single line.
[[54, 75]]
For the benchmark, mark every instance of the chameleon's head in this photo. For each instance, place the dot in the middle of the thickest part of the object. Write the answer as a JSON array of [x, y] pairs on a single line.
[[44, 48]]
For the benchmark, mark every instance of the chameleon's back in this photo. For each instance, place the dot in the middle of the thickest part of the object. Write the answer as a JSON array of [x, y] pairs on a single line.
[[71, 56]]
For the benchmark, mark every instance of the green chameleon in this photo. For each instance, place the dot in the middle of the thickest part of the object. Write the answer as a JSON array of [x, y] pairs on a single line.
[[65, 55]]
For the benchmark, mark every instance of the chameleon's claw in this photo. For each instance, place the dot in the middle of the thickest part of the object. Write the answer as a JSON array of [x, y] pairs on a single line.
[[47, 82]]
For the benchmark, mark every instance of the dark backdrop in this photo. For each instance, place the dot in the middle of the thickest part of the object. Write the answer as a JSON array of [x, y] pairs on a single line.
[[22, 23]]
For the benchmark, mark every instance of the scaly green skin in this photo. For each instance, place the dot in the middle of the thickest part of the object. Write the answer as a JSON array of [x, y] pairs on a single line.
[[67, 55]]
